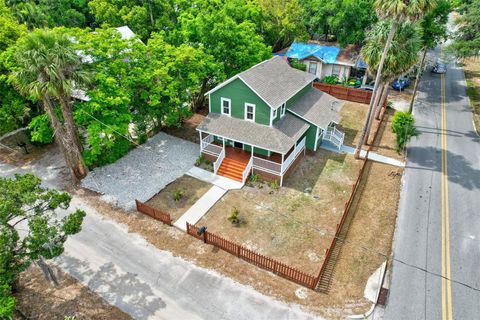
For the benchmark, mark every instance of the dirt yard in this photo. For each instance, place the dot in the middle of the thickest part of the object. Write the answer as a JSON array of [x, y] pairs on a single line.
[[12, 153], [290, 224], [38, 299], [188, 130], [186, 189], [352, 126], [472, 75]]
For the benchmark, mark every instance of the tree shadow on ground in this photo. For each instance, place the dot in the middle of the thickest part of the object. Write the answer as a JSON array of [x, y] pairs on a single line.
[[123, 290], [460, 170]]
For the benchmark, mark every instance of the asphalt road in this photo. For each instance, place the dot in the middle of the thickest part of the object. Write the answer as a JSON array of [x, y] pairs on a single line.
[[438, 225]]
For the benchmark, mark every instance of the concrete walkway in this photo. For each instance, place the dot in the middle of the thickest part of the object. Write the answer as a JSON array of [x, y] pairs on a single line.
[[371, 155], [200, 208], [148, 283], [219, 181]]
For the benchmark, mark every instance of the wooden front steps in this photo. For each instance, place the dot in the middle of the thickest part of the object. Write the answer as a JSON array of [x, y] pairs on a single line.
[[232, 169]]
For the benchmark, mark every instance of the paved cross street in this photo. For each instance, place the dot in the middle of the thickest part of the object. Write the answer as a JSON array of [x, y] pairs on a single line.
[[436, 245]]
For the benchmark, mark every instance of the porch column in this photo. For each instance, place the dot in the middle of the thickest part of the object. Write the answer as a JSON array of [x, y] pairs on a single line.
[[251, 155], [281, 174], [201, 146]]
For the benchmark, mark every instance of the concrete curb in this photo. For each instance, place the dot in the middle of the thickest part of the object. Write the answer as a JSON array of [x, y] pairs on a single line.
[[374, 304]]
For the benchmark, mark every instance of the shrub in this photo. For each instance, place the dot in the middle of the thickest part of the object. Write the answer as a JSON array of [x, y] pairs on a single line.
[[177, 195], [199, 160], [274, 185], [233, 217], [330, 79], [40, 129], [254, 178], [403, 125], [298, 65]]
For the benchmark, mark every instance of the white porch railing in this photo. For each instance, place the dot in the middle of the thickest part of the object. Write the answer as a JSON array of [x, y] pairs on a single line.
[[247, 170], [276, 168], [296, 151], [334, 136], [218, 162], [207, 146]]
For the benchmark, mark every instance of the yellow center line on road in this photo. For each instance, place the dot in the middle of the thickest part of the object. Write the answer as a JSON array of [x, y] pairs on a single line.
[[446, 273]]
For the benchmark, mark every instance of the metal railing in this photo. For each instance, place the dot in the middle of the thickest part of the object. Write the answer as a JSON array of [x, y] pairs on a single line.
[[218, 162], [247, 170]]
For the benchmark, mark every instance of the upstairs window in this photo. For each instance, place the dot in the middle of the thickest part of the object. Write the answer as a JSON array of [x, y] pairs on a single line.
[[312, 67], [250, 112], [274, 116], [283, 108], [226, 106]]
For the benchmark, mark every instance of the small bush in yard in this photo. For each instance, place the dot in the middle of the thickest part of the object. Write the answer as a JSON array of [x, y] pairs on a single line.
[[178, 195], [403, 125], [233, 217], [274, 185], [330, 79], [199, 160]]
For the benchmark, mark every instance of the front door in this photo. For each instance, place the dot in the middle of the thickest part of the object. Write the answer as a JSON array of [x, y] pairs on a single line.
[[238, 145]]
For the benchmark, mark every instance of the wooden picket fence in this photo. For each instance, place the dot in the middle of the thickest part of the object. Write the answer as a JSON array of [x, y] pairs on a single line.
[[257, 259], [345, 93], [154, 213]]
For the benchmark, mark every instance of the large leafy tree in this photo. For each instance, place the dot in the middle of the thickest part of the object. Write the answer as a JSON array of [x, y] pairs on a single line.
[[434, 30], [233, 42], [343, 20], [397, 11], [402, 56], [467, 36], [47, 68], [30, 229]]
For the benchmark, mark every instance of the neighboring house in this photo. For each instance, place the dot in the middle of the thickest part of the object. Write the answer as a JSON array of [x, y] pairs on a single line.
[[327, 59], [264, 119]]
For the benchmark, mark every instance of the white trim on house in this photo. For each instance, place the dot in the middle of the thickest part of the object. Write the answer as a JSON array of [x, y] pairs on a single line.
[[316, 139], [222, 99], [255, 146], [283, 109], [209, 104], [245, 116], [275, 113]]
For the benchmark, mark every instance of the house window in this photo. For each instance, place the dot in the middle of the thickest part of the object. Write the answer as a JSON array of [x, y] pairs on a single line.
[[249, 112], [275, 114], [226, 104], [336, 70], [282, 109], [312, 67]]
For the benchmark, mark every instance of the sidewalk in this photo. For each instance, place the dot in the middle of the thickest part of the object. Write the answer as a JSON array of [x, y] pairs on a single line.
[[371, 155], [200, 208]]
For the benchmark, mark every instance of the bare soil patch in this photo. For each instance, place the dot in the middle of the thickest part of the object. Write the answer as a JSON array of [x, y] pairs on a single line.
[[353, 117], [291, 223], [38, 299], [472, 75], [186, 189], [188, 129], [12, 153]]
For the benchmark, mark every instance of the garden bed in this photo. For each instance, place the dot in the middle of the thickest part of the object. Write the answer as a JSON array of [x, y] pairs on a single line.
[[293, 224], [177, 197]]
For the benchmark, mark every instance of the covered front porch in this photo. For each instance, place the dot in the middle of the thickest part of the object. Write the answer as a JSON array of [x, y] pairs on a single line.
[[237, 160]]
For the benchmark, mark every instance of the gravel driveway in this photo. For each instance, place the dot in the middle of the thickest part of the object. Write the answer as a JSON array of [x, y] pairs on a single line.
[[144, 171]]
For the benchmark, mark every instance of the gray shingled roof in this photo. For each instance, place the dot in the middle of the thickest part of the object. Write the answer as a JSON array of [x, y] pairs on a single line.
[[275, 81], [315, 106], [279, 138]]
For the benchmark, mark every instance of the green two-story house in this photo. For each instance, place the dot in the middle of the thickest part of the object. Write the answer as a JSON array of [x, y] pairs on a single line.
[[263, 120]]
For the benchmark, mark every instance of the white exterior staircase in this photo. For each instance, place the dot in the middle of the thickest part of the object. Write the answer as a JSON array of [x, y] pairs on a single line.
[[334, 135]]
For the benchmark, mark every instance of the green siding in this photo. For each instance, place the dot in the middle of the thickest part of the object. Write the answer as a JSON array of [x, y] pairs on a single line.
[[310, 134], [260, 151], [239, 94], [247, 147]]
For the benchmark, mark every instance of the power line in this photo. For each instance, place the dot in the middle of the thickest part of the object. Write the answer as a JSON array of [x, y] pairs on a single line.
[[322, 232]]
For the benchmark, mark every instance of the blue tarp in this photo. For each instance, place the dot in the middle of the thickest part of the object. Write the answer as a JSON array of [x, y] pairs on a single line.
[[300, 51]]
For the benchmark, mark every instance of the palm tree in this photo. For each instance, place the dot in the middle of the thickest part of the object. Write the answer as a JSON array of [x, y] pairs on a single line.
[[397, 11], [48, 68], [402, 57]]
